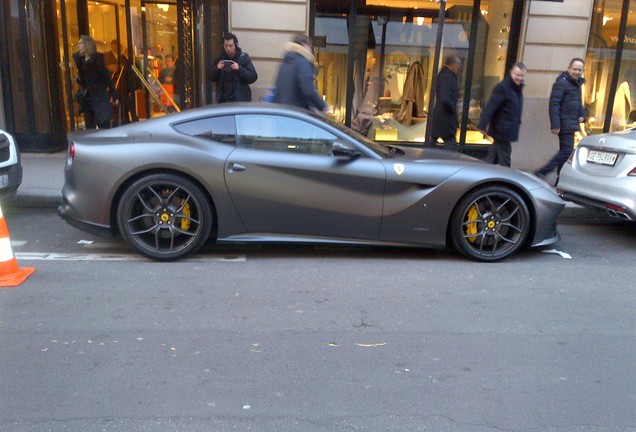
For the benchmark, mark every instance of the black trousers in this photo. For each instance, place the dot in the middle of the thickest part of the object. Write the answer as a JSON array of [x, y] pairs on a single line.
[[499, 153]]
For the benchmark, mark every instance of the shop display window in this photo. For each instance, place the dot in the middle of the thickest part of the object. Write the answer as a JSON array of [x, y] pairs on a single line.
[[603, 78], [394, 63]]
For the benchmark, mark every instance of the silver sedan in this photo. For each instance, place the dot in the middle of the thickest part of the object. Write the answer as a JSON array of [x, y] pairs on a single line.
[[601, 174]]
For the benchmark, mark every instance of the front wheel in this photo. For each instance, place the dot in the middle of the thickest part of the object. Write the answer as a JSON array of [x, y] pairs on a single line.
[[164, 217], [490, 223]]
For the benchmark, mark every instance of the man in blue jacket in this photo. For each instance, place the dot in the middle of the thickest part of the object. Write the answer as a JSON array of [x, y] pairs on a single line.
[[233, 71], [502, 115], [566, 114], [295, 81]]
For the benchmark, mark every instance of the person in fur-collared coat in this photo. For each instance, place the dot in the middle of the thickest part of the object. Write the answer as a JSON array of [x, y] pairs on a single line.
[[295, 81], [94, 77]]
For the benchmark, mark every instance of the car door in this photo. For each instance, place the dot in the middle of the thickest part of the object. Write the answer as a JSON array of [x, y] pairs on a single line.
[[283, 179]]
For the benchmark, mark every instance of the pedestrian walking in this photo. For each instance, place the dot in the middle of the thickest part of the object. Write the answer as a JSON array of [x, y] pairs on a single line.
[[501, 119], [94, 79], [295, 80], [445, 120], [566, 114], [233, 72]]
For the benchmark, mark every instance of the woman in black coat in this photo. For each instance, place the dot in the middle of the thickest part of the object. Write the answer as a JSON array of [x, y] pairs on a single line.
[[502, 115], [94, 77]]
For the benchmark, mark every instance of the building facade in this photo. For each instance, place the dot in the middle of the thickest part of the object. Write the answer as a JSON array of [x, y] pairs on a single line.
[[368, 55]]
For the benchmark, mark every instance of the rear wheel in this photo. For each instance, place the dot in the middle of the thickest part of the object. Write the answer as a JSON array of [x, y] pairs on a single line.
[[164, 217], [490, 223]]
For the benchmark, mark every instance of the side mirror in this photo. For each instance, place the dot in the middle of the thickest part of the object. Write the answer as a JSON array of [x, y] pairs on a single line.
[[339, 149]]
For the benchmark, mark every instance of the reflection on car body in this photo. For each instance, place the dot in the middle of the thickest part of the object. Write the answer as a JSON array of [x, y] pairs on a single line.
[[248, 172]]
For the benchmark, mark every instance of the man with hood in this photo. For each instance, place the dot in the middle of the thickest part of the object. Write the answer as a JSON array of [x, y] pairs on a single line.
[[295, 81], [566, 114], [233, 71], [501, 118]]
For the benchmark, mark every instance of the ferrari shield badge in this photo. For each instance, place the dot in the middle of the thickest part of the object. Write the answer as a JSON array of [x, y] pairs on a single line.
[[398, 168]]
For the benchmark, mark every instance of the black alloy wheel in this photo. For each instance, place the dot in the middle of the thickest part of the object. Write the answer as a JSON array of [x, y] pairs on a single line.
[[164, 217], [490, 223]]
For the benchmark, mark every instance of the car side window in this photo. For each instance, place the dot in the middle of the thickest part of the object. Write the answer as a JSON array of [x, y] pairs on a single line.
[[220, 128], [282, 134]]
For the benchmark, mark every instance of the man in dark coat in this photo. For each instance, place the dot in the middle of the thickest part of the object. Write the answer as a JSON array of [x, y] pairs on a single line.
[[445, 121], [233, 71], [501, 118], [566, 114], [295, 81], [94, 76]]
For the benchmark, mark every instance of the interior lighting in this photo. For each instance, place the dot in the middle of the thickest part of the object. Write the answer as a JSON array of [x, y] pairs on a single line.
[[164, 7], [607, 19]]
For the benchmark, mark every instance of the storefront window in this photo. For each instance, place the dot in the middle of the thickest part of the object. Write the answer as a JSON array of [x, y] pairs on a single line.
[[394, 62], [600, 65], [624, 109]]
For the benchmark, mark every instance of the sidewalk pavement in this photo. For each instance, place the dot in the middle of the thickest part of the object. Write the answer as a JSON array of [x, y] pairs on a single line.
[[43, 179]]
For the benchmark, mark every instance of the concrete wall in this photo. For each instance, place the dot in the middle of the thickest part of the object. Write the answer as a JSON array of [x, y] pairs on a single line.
[[263, 27], [553, 34]]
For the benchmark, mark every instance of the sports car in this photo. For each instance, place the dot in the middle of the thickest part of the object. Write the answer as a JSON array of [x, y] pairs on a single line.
[[258, 172], [601, 174]]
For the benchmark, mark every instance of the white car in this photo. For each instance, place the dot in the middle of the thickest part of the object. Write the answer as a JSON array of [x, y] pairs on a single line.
[[10, 166], [601, 174]]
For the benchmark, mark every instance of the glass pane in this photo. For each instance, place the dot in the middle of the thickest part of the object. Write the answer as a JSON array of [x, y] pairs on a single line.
[[67, 15], [490, 60], [155, 37], [392, 79], [623, 110], [600, 60]]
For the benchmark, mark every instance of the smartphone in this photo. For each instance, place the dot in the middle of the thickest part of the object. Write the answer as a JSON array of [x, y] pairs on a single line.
[[227, 62]]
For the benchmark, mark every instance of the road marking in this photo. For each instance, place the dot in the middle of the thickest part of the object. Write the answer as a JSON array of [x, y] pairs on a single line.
[[49, 256]]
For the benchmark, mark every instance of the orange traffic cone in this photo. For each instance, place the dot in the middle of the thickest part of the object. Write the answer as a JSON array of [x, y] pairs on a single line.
[[10, 274]]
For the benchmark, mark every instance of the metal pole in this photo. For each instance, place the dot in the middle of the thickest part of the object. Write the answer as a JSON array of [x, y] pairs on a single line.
[[438, 49]]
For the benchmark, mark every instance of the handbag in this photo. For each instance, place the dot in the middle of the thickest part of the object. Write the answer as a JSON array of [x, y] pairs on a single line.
[[82, 96]]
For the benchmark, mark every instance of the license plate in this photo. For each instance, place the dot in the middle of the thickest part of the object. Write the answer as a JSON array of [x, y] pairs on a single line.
[[4, 180], [603, 158]]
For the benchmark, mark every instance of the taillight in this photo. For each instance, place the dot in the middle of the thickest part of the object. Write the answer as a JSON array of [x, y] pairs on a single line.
[[71, 152], [571, 157], [632, 172]]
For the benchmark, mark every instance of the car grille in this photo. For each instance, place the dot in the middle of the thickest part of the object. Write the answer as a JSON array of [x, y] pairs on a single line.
[[5, 149]]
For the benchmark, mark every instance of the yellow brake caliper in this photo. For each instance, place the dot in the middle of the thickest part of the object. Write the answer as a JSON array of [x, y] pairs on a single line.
[[185, 223], [471, 228]]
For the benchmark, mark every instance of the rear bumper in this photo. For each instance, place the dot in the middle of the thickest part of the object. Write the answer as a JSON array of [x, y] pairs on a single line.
[[14, 174], [614, 210], [65, 211]]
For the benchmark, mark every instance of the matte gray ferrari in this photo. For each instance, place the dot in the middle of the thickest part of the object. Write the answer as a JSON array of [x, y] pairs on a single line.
[[265, 172]]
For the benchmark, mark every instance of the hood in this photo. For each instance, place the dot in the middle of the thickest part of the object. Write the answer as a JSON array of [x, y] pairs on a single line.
[[291, 47], [567, 76]]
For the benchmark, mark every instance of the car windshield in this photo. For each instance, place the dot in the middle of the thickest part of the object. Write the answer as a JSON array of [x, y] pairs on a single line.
[[377, 148]]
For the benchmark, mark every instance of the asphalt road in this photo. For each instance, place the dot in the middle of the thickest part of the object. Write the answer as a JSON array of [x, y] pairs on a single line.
[[300, 338]]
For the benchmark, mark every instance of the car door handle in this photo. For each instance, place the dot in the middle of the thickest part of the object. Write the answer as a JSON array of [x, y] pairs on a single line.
[[234, 167]]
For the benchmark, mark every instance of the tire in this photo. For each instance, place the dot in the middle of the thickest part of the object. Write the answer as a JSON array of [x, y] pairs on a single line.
[[490, 224], [164, 217]]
